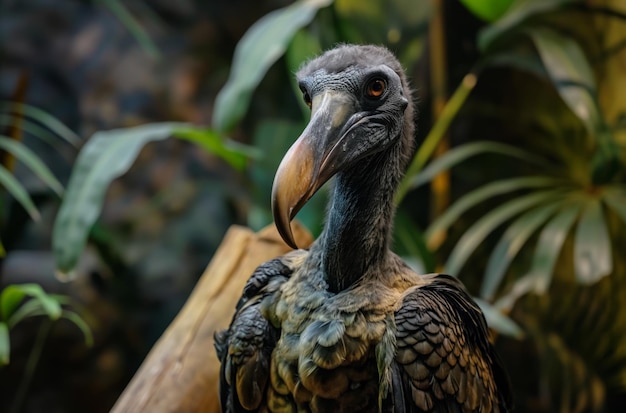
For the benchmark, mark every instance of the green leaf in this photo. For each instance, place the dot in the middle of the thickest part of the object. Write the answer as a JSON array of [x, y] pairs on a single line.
[[17, 190], [488, 10], [436, 134], [547, 251], [81, 324], [44, 118], [30, 308], [490, 190], [463, 152], [498, 321], [510, 244], [10, 299], [615, 198], [517, 13], [5, 344], [23, 154], [106, 156], [236, 154], [549, 245], [132, 25], [261, 46], [592, 246], [475, 235], [47, 302], [572, 75]]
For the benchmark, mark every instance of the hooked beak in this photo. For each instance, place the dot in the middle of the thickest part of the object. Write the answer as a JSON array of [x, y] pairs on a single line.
[[313, 159]]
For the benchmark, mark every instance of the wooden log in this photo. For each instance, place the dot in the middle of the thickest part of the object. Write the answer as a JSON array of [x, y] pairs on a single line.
[[180, 374]]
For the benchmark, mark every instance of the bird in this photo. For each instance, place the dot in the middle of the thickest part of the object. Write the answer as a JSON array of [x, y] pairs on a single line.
[[346, 325]]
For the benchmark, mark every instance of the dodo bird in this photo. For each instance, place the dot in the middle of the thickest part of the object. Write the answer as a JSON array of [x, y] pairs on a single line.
[[347, 326]]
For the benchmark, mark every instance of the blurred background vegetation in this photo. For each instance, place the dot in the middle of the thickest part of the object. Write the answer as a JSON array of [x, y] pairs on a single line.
[[108, 215]]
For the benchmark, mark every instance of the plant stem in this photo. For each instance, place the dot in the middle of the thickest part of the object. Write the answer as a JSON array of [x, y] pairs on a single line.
[[437, 132], [31, 365]]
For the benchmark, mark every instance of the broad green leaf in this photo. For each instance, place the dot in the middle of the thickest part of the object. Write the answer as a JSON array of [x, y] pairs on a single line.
[[550, 243], [490, 190], [592, 245], [17, 190], [615, 198], [81, 324], [44, 118], [517, 13], [510, 244], [50, 306], [475, 235], [10, 299], [488, 10], [23, 154], [106, 156], [117, 8], [5, 344], [545, 257], [463, 152], [236, 154], [261, 46], [498, 321], [570, 72]]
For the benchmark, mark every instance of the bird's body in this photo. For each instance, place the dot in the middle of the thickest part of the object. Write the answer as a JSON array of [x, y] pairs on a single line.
[[347, 326]]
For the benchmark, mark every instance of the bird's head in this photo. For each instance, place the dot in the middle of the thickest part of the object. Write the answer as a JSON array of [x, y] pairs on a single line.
[[358, 97]]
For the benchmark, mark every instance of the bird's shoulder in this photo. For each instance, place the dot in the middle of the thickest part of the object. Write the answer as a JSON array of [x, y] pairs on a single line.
[[244, 348], [444, 361]]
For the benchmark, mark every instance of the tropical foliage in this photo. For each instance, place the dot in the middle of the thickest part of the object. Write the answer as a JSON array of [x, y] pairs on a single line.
[[518, 185]]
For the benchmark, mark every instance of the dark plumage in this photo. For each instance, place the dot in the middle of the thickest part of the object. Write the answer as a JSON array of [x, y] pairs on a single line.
[[347, 326]]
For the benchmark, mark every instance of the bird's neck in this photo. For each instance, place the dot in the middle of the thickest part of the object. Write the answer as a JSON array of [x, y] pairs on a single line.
[[356, 235]]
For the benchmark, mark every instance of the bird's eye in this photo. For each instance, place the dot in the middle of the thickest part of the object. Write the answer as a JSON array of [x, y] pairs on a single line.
[[306, 97], [375, 88]]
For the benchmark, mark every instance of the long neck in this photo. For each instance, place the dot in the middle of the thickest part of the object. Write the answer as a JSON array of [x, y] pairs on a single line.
[[357, 231]]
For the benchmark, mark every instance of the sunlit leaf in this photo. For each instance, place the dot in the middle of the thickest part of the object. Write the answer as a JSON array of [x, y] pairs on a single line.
[[5, 344], [570, 72], [463, 152], [488, 10], [48, 304], [44, 118], [487, 191], [518, 12], [592, 245], [498, 321], [23, 154], [17, 190], [476, 234], [236, 154], [261, 46], [510, 244], [106, 156], [10, 299]]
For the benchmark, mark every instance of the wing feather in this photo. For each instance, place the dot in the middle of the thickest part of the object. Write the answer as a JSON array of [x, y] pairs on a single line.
[[445, 360], [245, 348]]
